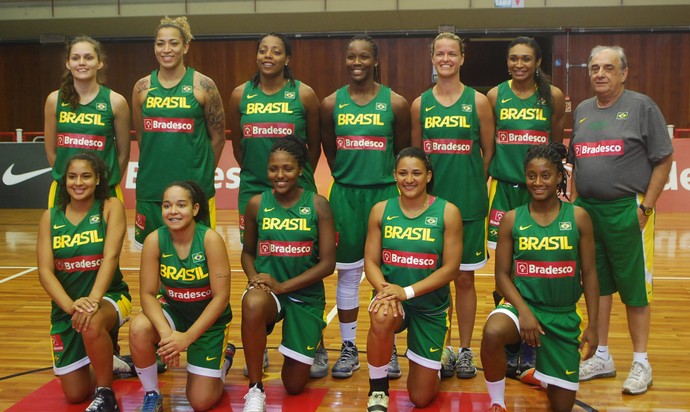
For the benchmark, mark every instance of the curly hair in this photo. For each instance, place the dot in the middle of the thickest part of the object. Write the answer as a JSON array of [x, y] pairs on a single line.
[[179, 23]]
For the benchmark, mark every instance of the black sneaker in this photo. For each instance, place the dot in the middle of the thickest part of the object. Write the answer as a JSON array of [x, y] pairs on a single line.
[[230, 354], [103, 401]]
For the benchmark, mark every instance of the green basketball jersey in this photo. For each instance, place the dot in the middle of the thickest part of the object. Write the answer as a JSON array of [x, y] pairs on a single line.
[[175, 144], [186, 285], [412, 249], [546, 259], [264, 118], [520, 124], [450, 137], [88, 128], [78, 254], [364, 139], [288, 243]]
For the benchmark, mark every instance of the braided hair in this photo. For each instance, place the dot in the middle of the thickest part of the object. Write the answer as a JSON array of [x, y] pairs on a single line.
[[555, 152], [196, 193], [294, 146], [287, 71], [374, 52]]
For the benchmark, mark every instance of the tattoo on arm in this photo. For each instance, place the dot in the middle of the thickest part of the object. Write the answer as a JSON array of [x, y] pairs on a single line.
[[215, 117], [142, 85]]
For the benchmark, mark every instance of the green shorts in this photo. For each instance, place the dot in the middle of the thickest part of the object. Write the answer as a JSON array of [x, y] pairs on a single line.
[[205, 356], [624, 253], [351, 206], [503, 197], [558, 357], [69, 352], [303, 326], [114, 191], [426, 335], [474, 253], [149, 217]]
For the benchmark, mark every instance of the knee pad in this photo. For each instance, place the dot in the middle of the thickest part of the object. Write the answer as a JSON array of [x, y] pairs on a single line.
[[347, 292]]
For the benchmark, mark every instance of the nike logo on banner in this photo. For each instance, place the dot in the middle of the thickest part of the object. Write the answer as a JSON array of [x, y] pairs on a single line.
[[340, 106], [525, 227], [56, 227], [251, 96], [11, 179], [426, 109], [506, 100], [167, 255]]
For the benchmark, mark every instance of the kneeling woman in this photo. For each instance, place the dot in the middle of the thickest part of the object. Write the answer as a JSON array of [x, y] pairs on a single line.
[[79, 245], [543, 284], [289, 247], [191, 262], [411, 255]]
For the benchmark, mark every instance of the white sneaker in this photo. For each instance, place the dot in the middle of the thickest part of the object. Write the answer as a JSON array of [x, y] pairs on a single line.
[[378, 402], [254, 400], [595, 367], [639, 379]]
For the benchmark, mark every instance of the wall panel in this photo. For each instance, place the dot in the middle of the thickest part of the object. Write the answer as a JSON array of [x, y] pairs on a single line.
[[659, 66]]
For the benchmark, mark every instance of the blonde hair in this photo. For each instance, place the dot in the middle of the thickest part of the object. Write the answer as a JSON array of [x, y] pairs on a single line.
[[181, 24], [450, 36]]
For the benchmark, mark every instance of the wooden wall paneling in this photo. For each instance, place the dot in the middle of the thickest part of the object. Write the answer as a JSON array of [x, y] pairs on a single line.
[[658, 68]]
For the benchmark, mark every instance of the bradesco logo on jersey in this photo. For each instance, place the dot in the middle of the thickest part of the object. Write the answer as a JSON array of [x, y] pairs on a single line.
[[602, 148], [361, 142], [81, 141], [168, 125], [189, 294], [284, 248], [522, 137], [409, 259], [448, 146], [535, 269], [268, 129], [79, 263]]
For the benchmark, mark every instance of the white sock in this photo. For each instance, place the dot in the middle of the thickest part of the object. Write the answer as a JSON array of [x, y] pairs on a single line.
[[642, 358], [603, 352], [497, 392], [348, 331], [378, 372], [148, 377]]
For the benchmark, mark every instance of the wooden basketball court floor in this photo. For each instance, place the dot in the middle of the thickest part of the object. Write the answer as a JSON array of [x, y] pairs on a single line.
[[27, 381]]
